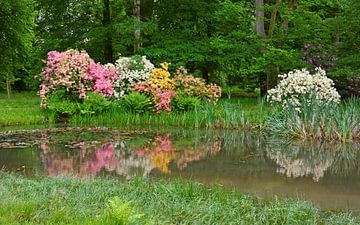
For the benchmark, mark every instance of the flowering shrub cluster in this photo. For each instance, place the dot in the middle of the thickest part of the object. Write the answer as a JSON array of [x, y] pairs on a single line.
[[76, 73], [196, 87], [159, 88], [73, 75], [300, 84], [133, 70]]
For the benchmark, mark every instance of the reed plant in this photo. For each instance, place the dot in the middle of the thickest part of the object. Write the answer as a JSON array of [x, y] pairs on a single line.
[[330, 122]]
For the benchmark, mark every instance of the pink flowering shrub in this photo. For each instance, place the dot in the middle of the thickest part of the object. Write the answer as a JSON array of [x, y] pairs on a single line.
[[189, 85], [76, 73]]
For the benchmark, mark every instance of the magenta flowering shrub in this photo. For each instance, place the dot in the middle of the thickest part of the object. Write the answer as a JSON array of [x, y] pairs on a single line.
[[76, 73]]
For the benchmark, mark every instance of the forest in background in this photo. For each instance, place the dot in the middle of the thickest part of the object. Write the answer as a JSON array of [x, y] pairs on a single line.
[[238, 43]]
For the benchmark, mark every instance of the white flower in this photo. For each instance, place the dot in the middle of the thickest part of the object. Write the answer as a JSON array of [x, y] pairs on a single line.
[[300, 84], [133, 71]]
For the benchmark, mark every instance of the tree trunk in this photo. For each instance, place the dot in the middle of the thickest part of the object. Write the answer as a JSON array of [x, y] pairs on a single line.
[[260, 27], [137, 33], [273, 18], [108, 50], [8, 88], [291, 7]]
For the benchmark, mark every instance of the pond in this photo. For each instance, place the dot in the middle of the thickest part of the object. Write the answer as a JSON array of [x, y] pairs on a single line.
[[326, 174]]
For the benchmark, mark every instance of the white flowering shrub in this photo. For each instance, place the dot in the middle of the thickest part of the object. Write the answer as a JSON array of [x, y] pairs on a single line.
[[299, 86], [132, 70]]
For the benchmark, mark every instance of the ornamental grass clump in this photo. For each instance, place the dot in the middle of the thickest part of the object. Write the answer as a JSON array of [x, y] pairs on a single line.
[[300, 85], [75, 73], [133, 70]]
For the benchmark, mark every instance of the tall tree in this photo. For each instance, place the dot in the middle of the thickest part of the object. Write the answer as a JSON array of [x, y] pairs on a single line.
[[16, 32], [108, 50], [137, 32], [259, 11]]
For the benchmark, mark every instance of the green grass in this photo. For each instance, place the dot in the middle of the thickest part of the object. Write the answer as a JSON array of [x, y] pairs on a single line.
[[339, 123], [139, 201], [335, 123], [227, 113], [21, 109]]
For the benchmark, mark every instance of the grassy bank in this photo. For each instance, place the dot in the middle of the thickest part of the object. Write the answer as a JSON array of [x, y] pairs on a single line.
[[227, 113], [139, 201], [340, 123], [21, 109]]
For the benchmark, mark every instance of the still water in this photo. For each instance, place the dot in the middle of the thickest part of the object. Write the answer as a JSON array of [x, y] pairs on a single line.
[[326, 174]]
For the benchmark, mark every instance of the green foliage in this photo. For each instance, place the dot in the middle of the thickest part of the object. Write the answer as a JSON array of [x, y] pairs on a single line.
[[94, 104], [123, 212], [83, 201], [137, 103], [186, 102], [64, 104], [61, 103], [16, 31]]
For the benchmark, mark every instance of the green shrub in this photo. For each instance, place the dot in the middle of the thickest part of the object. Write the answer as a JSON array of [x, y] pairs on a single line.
[[94, 104], [186, 103], [137, 103], [62, 104]]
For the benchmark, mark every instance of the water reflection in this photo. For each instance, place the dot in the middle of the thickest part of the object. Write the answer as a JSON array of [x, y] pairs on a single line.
[[126, 158], [313, 158], [328, 174]]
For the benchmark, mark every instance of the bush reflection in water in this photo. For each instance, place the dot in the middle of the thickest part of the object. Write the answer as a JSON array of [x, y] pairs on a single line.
[[313, 158], [126, 158], [143, 154]]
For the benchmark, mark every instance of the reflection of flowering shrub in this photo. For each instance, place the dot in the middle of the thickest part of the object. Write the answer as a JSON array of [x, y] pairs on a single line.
[[294, 166], [159, 88], [315, 159], [193, 86], [161, 150], [300, 84], [76, 73], [133, 71]]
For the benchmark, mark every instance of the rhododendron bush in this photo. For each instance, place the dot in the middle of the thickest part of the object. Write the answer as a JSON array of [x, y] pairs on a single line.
[[76, 73], [300, 85]]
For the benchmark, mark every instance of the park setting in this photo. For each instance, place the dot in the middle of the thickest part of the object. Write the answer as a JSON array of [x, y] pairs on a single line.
[[180, 112]]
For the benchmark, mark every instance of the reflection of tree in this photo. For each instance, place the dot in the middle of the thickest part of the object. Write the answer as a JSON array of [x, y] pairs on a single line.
[[312, 159]]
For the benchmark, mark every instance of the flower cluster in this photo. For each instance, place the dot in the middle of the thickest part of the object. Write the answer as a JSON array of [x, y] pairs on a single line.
[[133, 70], [300, 84], [196, 87], [76, 73], [317, 56], [159, 88]]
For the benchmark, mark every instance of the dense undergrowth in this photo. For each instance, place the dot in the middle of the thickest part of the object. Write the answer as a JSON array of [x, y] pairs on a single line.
[[139, 201]]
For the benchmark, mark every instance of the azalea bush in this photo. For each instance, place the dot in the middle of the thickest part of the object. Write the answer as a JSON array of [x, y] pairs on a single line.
[[77, 74], [160, 88], [133, 70], [299, 85], [188, 85]]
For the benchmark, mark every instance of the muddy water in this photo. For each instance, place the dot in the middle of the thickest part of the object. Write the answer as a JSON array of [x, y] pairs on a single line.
[[326, 174]]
